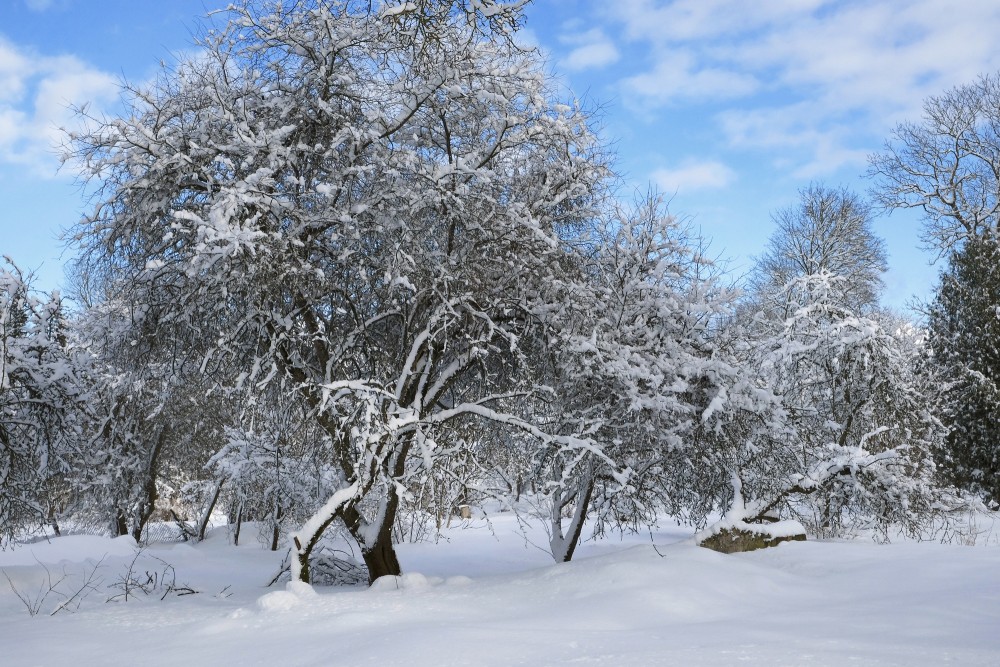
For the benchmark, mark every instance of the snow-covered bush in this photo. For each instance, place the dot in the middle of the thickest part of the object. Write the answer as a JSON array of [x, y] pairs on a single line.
[[41, 403], [843, 430], [274, 469], [637, 371], [851, 441]]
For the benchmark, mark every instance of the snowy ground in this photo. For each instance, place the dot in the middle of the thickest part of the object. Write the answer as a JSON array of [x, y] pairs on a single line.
[[481, 599]]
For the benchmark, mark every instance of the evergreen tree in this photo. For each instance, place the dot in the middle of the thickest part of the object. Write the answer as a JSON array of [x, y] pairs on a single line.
[[964, 329]]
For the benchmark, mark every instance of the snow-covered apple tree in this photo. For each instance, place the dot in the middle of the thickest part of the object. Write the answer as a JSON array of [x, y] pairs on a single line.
[[862, 430], [853, 438], [639, 370], [369, 202]]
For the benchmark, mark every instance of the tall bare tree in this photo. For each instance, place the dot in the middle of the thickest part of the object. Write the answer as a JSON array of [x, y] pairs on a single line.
[[947, 164], [829, 230]]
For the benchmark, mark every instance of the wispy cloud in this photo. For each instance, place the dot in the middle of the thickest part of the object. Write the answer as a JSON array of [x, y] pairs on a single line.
[[37, 97], [39, 5], [590, 49], [691, 176], [795, 73], [700, 20], [679, 77]]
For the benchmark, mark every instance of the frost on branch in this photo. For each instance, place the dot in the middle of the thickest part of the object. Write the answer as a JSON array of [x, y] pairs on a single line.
[[378, 240], [640, 371]]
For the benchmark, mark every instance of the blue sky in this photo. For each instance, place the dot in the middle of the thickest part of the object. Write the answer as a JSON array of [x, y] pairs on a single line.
[[729, 106]]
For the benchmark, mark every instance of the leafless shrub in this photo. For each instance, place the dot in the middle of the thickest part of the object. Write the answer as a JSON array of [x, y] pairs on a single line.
[[58, 586], [136, 579]]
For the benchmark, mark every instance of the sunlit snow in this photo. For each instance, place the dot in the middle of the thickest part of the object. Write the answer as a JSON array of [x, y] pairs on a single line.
[[482, 597]]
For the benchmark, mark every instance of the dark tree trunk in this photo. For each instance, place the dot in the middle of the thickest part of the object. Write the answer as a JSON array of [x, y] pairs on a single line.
[[380, 557], [148, 504], [303, 556], [203, 522], [276, 532], [239, 524], [120, 524], [142, 518], [52, 520], [562, 545], [584, 495], [381, 560]]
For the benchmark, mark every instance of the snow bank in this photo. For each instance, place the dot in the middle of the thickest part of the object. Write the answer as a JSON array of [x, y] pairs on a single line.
[[68, 549], [623, 602]]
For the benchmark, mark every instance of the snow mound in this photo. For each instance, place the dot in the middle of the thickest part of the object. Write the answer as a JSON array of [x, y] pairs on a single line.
[[406, 581], [295, 593]]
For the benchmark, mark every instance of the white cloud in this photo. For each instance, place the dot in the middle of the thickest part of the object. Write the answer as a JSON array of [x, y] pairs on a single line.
[[598, 54], [697, 20], [677, 76], [691, 176], [592, 49], [13, 65], [37, 97], [821, 78], [808, 148], [862, 55]]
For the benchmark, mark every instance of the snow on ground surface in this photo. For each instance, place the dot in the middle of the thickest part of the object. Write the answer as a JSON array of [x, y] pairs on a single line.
[[482, 599]]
